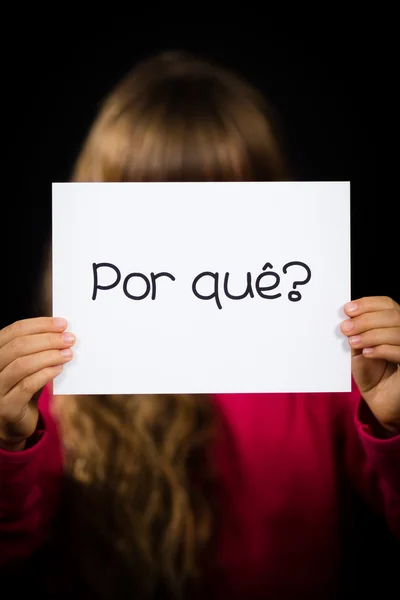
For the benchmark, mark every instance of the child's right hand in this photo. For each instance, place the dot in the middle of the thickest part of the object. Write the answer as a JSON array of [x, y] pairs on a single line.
[[32, 353]]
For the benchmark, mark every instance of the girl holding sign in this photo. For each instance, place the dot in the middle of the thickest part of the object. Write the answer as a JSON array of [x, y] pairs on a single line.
[[250, 496]]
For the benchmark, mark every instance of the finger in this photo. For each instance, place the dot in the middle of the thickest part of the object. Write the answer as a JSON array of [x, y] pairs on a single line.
[[376, 337], [30, 344], [370, 304], [23, 367], [386, 352], [21, 394], [373, 320], [30, 327]]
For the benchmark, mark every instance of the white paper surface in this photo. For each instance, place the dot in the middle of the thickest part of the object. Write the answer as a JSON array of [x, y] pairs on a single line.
[[179, 343]]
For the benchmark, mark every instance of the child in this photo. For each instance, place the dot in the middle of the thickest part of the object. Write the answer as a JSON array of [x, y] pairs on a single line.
[[246, 496]]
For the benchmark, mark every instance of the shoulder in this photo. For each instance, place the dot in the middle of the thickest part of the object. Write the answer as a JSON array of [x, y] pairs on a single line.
[[255, 408], [48, 421], [253, 418], [44, 403], [284, 437]]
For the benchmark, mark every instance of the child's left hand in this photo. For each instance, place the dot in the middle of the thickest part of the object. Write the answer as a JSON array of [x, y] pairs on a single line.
[[374, 336]]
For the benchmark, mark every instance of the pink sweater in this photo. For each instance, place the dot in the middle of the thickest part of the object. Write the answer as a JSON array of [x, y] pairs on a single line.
[[288, 472]]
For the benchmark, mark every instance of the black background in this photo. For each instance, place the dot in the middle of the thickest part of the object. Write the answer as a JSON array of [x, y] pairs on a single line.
[[326, 91]]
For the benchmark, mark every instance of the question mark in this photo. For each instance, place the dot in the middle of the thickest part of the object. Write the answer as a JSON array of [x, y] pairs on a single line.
[[295, 296]]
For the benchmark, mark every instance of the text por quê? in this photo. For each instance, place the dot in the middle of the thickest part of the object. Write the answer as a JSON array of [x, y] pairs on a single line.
[[214, 284]]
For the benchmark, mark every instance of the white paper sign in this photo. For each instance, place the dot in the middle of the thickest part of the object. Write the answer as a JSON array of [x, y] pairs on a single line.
[[195, 287]]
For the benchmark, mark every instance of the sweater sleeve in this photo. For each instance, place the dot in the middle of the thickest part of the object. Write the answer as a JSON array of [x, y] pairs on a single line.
[[373, 462], [30, 482]]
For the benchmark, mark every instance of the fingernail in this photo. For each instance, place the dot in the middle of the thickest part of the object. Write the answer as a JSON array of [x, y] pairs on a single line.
[[66, 353], [68, 338], [59, 323], [351, 307], [368, 350], [348, 325], [355, 339]]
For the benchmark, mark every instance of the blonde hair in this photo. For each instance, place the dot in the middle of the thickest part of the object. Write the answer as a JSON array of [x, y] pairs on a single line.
[[140, 464]]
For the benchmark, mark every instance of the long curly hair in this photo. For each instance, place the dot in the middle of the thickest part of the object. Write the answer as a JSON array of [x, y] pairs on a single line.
[[138, 468]]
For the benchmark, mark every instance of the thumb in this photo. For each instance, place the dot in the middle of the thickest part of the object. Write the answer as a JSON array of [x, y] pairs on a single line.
[[21, 430], [367, 372]]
